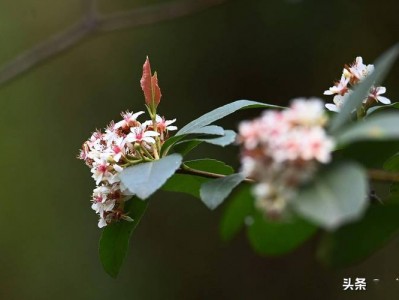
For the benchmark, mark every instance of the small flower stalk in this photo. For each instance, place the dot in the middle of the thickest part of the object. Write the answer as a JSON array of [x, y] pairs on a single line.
[[282, 150], [123, 144], [351, 76]]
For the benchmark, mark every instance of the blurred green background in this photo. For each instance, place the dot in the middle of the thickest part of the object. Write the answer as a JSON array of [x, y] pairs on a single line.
[[270, 51]]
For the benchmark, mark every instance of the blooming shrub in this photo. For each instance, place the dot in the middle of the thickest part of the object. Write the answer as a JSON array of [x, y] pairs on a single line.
[[303, 169]]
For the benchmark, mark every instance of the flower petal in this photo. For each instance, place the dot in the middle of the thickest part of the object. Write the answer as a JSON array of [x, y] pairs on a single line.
[[332, 107], [383, 100]]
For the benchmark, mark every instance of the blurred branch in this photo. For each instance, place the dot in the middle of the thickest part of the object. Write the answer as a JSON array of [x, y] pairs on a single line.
[[381, 175], [89, 8], [93, 23]]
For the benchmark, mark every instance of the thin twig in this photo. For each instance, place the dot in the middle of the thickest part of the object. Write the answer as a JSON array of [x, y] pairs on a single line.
[[92, 23], [378, 175], [187, 170]]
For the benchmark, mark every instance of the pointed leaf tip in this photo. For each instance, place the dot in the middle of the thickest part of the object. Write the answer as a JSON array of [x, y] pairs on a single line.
[[149, 85], [145, 80]]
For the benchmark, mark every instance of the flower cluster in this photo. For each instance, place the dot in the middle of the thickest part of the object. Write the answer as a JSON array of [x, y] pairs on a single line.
[[123, 144], [282, 149], [351, 76]]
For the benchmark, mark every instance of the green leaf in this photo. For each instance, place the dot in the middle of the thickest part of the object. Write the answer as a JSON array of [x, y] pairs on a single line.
[[220, 113], [382, 66], [392, 164], [210, 129], [354, 242], [394, 188], [393, 197], [215, 191], [380, 127], [144, 179], [337, 196], [185, 147], [228, 138], [210, 117], [275, 238], [203, 131], [169, 143], [184, 183], [191, 184], [114, 241], [382, 108], [240, 207]]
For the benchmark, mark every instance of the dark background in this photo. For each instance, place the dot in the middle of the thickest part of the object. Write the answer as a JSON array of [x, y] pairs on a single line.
[[271, 51]]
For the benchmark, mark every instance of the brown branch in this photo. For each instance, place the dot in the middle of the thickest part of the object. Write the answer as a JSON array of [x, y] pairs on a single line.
[[187, 170], [374, 174], [381, 175], [92, 23]]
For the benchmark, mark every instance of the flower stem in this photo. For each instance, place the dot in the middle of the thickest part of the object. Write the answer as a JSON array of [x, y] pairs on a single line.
[[154, 148], [361, 112], [187, 170], [146, 151]]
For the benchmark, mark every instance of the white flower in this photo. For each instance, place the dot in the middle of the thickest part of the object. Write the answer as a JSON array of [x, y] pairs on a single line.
[[107, 154], [340, 88], [360, 70], [129, 119], [111, 134], [249, 133], [163, 124], [139, 134], [101, 207], [102, 223], [282, 149], [100, 171], [376, 92], [307, 112], [117, 168], [100, 193], [317, 145], [288, 146], [118, 149], [339, 101]]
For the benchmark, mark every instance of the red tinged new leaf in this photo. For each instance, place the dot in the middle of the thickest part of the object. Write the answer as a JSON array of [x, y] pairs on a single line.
[[145, 81], [155, 89], [149, 85]]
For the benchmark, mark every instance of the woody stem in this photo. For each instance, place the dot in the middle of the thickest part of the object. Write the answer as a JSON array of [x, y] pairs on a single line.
[[381, 175], [373, 174]]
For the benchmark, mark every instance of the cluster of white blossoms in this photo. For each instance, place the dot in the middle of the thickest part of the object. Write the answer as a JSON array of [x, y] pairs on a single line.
[[123, 144], [351, 76], [282, 149]]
